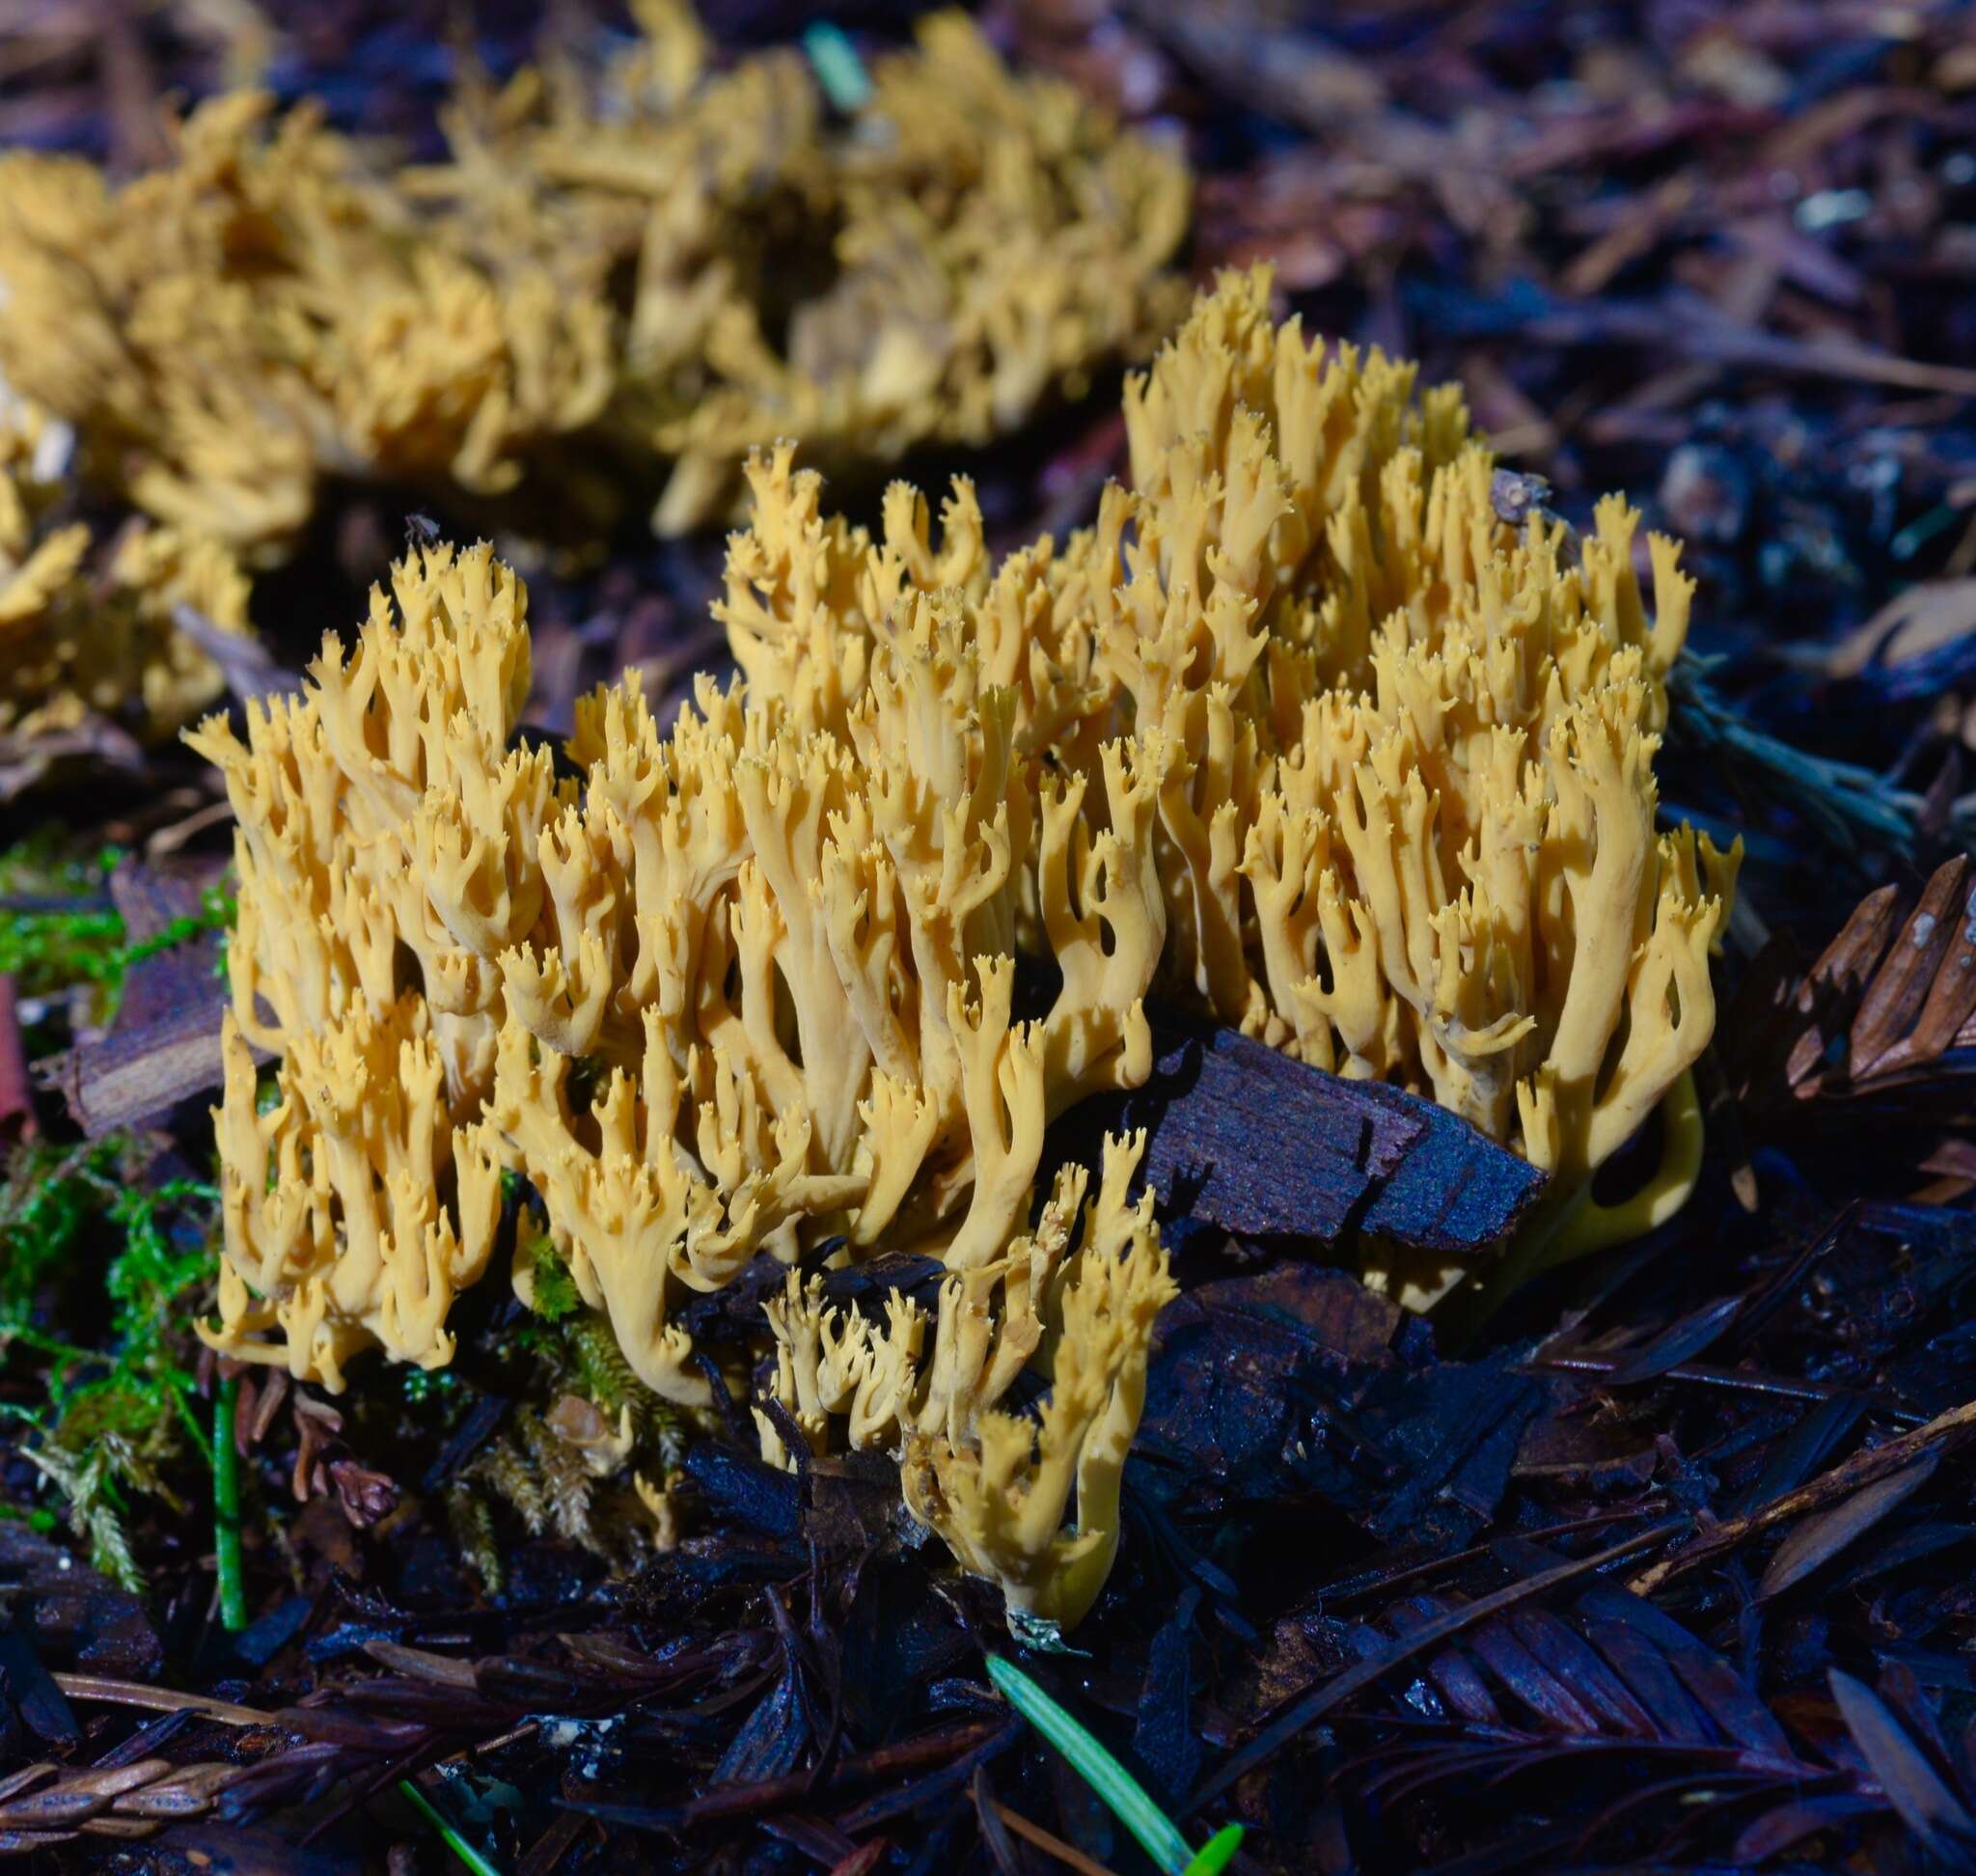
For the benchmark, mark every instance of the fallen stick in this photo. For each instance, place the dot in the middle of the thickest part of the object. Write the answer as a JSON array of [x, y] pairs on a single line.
[[1945, 1430]]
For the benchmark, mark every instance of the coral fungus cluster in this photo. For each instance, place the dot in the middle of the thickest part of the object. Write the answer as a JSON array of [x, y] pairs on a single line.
[[994, 1486], [1300, 730], [92, 637], [929, 272], [676, 264], [779, 958], [225, 332], [1406, 805]]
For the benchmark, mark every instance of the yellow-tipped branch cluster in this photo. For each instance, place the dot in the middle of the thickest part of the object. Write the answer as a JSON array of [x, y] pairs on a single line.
[[1298, 730], [85, 634], [785, 953], [781, 957], [998, 1485], [275, 308], [1406, 817]]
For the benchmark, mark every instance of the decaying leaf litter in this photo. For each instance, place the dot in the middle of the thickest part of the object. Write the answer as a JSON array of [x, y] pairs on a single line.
[[1684, 1518]]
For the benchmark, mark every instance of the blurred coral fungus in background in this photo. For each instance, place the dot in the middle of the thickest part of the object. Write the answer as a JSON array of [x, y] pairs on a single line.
[[1012, 939]]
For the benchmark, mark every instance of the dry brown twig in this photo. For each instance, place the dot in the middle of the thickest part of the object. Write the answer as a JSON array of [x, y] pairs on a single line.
[[1943, 1433]]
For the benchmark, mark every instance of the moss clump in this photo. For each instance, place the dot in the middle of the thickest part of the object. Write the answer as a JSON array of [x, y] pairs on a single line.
[[60, 935], [78, 1225]]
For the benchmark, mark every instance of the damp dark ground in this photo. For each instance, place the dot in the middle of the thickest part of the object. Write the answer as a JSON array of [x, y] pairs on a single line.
[[1667, 1568]]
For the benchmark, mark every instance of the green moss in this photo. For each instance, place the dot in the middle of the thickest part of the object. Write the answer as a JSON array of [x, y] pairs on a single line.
[[577, 1349], [78, 1226], [471, 1518], [58, 930], [528, 1471], [429, 1387], [553, 1290]]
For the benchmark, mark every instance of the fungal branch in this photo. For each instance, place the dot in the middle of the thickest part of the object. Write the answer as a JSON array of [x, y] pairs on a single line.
[[998, 1485]]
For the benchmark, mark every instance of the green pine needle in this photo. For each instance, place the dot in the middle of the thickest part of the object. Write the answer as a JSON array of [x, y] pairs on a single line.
[[226, 1507], [838, 67], [1215, 1854], [480, 1864], [1128, 1800]]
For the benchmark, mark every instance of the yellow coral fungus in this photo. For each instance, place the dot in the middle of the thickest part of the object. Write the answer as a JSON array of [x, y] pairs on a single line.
[[781, 957], [1406, 817], [225, 332], [992, 240], [87, 637], [276, 307], [1299, 730], [970, 242], [780, 953], [996, 1485]]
